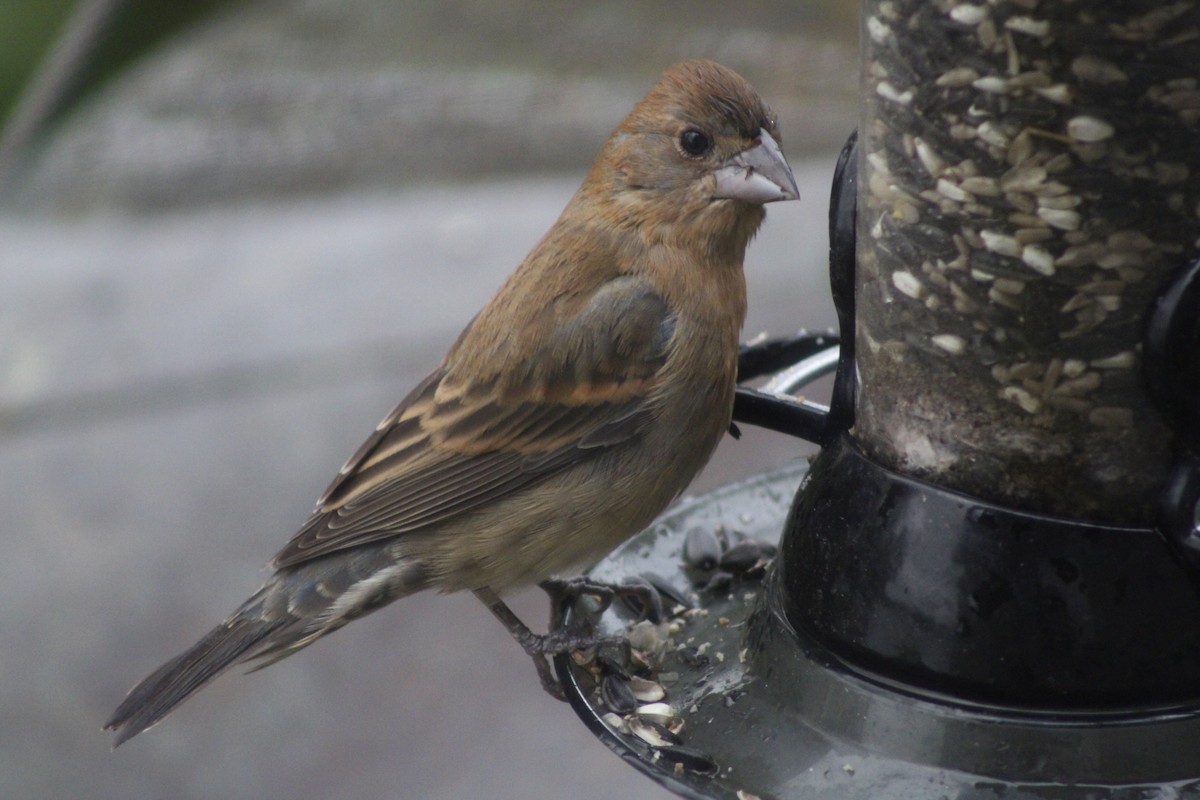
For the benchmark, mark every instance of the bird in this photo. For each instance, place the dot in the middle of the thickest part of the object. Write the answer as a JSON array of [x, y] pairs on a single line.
[[571, 411]]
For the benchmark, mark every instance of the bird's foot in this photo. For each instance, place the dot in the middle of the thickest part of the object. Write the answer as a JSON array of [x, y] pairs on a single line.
[[540, 647], [638, 594]]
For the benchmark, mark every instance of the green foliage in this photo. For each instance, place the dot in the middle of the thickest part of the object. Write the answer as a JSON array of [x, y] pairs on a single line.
[[27, 31]]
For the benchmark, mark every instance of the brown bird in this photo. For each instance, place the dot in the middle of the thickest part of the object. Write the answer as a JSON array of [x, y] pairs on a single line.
[[574, 408]]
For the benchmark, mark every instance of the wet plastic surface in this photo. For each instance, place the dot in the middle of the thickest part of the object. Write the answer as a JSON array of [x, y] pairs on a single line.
[[707, 656], [956, 595], [782, 716], [1171, 368]]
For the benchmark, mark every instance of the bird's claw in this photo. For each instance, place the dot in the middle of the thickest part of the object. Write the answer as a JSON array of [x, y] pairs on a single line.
[[641, 597], [564, 640]]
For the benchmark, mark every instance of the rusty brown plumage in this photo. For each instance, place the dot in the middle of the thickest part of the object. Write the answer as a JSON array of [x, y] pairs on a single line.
[[576, 405]]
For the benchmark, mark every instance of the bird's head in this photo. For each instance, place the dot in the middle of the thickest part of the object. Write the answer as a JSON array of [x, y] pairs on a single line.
[[700, 143]]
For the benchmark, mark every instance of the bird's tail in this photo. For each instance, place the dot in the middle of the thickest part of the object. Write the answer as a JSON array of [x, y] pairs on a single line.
[[176, 680], [295, 608]]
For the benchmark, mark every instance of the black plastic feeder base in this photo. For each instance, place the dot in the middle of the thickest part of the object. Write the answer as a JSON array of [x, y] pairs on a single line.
[[890, 660]]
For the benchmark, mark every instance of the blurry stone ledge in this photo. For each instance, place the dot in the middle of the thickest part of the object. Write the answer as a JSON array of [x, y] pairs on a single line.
[[114, 315], [268, 99]]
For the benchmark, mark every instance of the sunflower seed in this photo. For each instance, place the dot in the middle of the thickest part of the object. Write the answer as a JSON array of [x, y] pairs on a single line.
[[652, 733], [954, 345], [907, 283], [1089, 129], [661, 713], [968, 14], [1093, 69], [646, 690], [701, 549], [1028, 26], [746, 556], [617, 695]]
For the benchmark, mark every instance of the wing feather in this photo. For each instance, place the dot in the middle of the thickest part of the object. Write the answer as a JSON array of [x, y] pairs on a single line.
[[454, 444]]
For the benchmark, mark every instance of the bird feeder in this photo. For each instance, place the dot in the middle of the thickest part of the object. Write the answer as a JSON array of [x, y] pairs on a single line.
[[988, 582]]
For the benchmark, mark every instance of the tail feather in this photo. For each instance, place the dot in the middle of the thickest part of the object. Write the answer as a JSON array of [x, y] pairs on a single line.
[[181, 677], [295, 608]]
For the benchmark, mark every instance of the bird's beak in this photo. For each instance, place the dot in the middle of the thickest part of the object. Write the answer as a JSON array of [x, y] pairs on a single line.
[[757, 175]]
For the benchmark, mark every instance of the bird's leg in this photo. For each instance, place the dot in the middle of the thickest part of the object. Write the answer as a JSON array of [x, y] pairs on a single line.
[[558, 640], [533, 644]]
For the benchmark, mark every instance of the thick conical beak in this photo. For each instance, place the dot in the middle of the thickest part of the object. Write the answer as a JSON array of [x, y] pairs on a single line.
[[758, 175]]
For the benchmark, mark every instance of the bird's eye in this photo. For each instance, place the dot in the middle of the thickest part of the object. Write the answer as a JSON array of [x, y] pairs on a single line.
[[694, 142]]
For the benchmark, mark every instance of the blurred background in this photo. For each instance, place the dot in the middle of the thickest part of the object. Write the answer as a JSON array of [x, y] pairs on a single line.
[[229, 244]]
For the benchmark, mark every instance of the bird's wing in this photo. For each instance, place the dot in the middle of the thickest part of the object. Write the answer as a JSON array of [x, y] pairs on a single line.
[[454, 445]]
